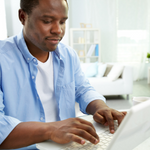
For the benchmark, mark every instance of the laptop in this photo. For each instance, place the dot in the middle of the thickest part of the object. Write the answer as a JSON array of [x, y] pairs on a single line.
[[134, 129]]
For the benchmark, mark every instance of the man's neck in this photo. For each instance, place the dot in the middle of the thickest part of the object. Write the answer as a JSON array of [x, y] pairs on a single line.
[[42, 57], [36, 52]]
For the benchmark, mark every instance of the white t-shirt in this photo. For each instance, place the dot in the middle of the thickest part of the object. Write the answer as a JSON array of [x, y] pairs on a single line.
[[45, 88]]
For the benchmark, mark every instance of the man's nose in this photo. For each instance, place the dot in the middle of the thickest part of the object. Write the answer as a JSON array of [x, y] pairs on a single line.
[[56, 28]]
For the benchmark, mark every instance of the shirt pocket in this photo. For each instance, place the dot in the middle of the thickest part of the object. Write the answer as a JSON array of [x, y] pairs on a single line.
[[67, 100]]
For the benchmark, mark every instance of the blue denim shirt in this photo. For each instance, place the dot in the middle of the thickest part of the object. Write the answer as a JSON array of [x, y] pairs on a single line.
[[19, 99]]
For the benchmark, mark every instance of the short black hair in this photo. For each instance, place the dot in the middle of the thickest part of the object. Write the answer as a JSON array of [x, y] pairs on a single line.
[[28, 5]]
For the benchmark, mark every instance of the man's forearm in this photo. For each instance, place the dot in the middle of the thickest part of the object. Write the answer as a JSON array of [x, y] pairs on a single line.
[[94, 106], [65, 131], [25, 134]]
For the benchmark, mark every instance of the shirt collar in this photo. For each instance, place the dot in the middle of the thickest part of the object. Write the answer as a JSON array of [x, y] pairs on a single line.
[[57, 52], [23, 48], [25, 51]]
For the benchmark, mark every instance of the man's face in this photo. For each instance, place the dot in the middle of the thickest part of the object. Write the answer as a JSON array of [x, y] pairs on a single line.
[[45, 26]]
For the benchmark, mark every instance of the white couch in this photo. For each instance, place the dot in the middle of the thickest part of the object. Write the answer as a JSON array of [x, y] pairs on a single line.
[[123, 85]]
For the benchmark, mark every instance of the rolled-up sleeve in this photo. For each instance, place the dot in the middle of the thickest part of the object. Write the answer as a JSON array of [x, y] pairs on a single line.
[[7, 123], [85, 93]]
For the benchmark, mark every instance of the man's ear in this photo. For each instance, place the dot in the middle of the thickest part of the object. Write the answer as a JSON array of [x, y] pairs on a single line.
[[22, 16]]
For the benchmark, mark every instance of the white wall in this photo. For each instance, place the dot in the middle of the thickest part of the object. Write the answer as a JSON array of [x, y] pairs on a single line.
[[77, 13], [13, 24], [3, 31], [65, 39]]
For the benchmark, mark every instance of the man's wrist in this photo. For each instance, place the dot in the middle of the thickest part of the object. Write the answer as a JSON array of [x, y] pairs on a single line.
[[94, 106]]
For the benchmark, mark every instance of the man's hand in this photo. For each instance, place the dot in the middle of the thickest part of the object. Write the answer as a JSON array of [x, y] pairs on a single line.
[[73, 129], [28, 133], [105, 115]]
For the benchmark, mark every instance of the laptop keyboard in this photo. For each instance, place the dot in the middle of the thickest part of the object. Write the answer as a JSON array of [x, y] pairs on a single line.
[[105, 138]]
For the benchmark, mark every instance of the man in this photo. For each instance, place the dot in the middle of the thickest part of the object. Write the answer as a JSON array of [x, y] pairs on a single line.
[[40, 80]]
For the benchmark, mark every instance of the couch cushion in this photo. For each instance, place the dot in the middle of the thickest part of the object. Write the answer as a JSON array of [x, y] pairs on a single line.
[[101, 70], [115, 72], [108, 68], [106, 87], [84, 66], [92, 70]]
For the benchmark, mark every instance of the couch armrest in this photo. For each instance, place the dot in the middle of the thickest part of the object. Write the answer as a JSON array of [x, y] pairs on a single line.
[[127, 77]]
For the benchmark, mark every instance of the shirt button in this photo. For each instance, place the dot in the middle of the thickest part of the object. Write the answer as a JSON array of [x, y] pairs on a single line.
[[34, 60], [28, 58], [41, 118], [33, 77]]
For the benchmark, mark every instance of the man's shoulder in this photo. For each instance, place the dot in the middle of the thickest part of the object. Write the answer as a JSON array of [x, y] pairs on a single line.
[[64, 46], [7, 44], [66, 49]]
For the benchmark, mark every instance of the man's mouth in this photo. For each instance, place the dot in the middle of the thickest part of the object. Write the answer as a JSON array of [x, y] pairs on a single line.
[[53, 41]]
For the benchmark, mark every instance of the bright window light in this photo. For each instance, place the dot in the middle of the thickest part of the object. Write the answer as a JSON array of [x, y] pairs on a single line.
[[131, 45]]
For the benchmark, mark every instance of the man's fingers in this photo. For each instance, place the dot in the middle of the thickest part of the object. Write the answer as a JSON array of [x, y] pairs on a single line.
[[106, 120], [76, 138], [119, 116], [124, 112], [99, 118], [74, 129], [110, 121], [86, 130], [107, 116], [82, 121], [90, 136]]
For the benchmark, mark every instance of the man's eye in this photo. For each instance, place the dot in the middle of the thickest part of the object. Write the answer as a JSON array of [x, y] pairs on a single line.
[[46, 22], [62, 22]]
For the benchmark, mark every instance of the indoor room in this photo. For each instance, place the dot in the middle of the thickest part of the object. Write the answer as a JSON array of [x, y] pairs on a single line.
[[120, 29], [112, 41]]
